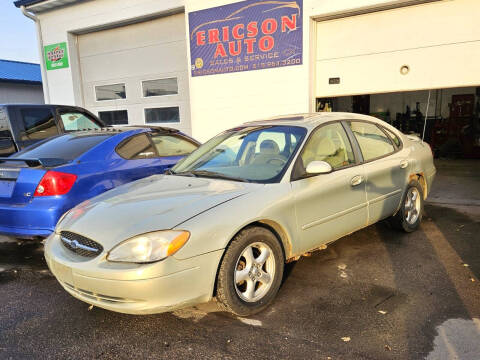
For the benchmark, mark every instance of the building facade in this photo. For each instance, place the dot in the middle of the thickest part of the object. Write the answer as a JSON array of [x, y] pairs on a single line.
[[20, 82], [206, 65]]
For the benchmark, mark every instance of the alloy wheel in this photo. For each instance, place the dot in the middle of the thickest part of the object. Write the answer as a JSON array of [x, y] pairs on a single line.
[[412, 206], [254, 272]]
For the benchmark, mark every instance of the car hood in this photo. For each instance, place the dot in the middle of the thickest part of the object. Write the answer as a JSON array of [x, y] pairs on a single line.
[[154, 203]]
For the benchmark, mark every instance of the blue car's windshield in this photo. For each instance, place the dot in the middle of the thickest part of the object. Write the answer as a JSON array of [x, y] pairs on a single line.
[[66, 147], [253, 153]]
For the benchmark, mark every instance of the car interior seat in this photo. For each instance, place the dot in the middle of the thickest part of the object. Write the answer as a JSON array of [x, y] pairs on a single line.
[[269, 151], [324, 149]]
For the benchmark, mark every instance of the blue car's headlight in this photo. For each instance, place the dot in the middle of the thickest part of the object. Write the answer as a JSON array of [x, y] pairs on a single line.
[[149, 247]]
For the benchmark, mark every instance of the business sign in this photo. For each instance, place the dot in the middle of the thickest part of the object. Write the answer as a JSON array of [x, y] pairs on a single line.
[[56, 56], [244, 36]]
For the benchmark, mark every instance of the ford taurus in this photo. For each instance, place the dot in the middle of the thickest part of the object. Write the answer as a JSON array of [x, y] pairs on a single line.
[[224, 221]]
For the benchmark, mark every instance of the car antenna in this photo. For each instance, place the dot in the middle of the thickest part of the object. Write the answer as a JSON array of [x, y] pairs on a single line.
[[426, 115]]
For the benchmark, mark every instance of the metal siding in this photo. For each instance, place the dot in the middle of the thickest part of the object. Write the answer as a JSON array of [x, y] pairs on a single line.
[[20, 94]]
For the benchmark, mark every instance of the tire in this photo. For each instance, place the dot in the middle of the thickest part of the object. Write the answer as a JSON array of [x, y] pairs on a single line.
[[242, 286], [409, 216]]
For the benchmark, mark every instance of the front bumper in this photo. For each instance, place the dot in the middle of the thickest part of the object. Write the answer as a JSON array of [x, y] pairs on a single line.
[[133, 288]]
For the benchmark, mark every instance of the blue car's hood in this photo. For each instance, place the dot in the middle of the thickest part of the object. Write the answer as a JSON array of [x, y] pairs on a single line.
[[154, 203]]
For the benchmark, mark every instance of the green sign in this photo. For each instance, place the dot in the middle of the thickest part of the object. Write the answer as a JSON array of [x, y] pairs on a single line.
[[56, 56]]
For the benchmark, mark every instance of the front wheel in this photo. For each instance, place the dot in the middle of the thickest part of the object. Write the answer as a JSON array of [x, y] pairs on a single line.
[[251, 272], [410, 214]]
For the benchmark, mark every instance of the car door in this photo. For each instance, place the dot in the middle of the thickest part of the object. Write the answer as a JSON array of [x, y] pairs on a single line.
[[141, 158], [328, 206], [171, 148], [386, 169]]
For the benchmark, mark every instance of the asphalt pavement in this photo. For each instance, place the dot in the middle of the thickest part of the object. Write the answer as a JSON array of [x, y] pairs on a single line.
[[375, 294]]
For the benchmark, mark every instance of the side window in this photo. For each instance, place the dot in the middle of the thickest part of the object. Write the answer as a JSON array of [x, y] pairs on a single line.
[[168, 145], [38, 124], [136, 147], [329, 143], [394, 137], [372, 141], [77, 121]]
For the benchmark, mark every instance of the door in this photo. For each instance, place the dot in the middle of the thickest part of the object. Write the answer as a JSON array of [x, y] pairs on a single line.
[[328, 206], [138, 73], [428, 38], [171, 148], [386, 169]]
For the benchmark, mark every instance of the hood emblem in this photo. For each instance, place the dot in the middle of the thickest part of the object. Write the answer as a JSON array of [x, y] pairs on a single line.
[[74, 245]]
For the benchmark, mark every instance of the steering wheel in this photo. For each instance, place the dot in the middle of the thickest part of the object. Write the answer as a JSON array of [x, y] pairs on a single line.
[[280, 161]]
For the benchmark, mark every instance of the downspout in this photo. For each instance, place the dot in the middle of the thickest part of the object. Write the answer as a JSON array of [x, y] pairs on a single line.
[[46, 92]]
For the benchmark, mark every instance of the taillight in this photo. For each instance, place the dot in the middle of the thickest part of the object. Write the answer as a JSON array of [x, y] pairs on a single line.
[[55, 183]]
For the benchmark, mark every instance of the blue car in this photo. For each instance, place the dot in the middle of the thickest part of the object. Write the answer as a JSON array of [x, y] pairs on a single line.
[[43, 181]]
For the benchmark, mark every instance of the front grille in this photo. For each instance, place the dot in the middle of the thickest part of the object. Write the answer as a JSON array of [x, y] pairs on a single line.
[[80, 244]]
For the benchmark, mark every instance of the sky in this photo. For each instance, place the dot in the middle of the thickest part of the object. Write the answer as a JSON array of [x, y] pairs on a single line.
[[18, 37]]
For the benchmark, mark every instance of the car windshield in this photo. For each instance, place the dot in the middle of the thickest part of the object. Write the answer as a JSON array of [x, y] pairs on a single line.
[[252, 153]]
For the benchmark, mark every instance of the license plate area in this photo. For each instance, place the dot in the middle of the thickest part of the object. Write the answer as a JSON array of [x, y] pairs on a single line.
[[6, 188], [63, 273]]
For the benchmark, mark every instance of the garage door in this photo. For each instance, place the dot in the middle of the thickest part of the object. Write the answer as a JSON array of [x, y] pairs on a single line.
[[138, 71], [434, 45]]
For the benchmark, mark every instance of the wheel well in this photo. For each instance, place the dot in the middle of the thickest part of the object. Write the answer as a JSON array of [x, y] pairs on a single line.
[[420, 177], [274, 228]]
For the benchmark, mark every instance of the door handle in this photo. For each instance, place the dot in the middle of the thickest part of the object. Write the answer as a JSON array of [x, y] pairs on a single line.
[[356, 180], [403, 164]]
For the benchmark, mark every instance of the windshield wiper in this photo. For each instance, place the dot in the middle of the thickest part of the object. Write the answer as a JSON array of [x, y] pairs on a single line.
[[211, 174]]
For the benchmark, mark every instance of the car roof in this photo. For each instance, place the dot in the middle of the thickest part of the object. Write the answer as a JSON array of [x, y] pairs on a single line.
[[311, 120]]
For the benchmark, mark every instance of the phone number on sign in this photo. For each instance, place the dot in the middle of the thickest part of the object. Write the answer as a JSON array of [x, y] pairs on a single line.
[[254, 66]]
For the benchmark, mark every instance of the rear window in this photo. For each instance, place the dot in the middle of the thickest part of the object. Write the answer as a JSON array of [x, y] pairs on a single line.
[[66, 147]]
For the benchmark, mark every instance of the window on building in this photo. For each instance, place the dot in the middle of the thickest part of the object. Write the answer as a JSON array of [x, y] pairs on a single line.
[[329, 143], [160, 87], [38, 124], [168, 145], [77, 121], [110, 92], [373, 141], [162, 115], [114, 117], [136, 147]]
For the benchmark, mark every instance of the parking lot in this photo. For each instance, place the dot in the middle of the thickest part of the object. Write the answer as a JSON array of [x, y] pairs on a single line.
[[375, 294]]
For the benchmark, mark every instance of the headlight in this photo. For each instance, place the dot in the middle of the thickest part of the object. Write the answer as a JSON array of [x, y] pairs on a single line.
[[149, 247]]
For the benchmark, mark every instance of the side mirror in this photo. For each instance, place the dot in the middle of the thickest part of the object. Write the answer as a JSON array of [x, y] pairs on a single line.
[[319, 167]]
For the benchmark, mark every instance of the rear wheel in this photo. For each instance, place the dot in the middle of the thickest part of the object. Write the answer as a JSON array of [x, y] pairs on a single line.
[[410, 214], [251, 272]]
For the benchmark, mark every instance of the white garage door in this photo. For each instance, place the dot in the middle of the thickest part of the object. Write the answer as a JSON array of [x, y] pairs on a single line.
[[439, 42], [139, 70]]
